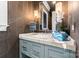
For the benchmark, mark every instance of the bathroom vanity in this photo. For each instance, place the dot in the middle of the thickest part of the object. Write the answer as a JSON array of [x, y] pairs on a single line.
[[43, 45]]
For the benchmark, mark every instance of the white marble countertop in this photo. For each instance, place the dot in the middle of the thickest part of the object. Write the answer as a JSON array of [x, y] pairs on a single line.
[[47, 38]]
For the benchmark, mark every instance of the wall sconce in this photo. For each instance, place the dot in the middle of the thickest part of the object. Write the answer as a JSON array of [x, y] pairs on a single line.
[[58, 7], [36, 15], [59, 11]]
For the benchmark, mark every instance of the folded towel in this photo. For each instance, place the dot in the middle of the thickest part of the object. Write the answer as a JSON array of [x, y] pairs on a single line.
[[61, 36]]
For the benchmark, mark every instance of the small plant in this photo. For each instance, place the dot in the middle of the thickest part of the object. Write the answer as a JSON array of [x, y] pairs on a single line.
[[65, 29]]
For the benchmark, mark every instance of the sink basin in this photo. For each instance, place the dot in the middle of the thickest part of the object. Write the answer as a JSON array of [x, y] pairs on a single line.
[[41, 35]]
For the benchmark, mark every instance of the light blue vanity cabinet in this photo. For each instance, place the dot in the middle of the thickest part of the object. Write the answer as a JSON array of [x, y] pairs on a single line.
[[37, 50], [37, 46]]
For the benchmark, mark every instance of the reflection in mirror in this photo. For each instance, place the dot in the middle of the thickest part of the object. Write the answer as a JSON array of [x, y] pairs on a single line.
[[44, 20]]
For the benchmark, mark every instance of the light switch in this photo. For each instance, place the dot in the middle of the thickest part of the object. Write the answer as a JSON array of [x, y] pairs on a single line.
[[73, 27]]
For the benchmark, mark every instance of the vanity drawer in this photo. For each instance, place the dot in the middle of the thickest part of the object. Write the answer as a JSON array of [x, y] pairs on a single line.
[[56, 52], [37, 50], [26, 47], [70, 53]]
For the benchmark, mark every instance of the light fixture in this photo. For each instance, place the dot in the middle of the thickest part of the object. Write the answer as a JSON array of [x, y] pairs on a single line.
[[35, 13], [54, 2], [36, 16], [59, 7]]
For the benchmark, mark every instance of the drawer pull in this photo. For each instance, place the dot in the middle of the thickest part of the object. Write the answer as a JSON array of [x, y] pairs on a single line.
[[36, 53], [24, 48]]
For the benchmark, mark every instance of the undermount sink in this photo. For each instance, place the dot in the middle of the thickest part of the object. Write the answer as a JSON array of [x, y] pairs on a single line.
[[41, 35]]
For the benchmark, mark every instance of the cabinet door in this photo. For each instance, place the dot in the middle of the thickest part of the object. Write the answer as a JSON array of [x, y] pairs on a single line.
[[55, 52], [72, 54], [26, 48], [37, 50]]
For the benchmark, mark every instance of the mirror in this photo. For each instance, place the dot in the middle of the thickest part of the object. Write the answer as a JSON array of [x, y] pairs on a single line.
[[44, 20]]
